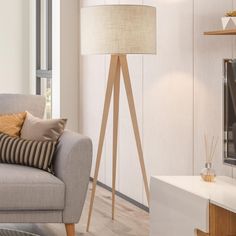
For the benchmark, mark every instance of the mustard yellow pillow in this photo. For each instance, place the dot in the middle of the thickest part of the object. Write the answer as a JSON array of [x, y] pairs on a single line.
[[11, 124]]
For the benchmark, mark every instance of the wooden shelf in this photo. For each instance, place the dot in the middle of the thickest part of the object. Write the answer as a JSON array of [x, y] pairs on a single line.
[[221, 32]]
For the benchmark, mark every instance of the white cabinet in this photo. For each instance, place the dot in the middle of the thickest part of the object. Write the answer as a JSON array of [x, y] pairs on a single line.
[[180, 204]]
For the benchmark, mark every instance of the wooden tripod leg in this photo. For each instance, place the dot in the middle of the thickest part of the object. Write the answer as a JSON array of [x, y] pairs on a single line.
[[115, 134], [130, 97], [110, 84]]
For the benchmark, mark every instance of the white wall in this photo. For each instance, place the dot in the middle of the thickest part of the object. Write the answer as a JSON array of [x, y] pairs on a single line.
[[178, 95], [69, 62], [14, 46], [208, 74]]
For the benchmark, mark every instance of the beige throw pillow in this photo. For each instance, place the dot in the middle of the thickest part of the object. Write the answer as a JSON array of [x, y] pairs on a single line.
[[11, 123], [37, 129]]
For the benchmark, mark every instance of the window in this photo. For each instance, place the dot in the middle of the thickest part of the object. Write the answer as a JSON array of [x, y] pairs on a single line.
[[44, 52]]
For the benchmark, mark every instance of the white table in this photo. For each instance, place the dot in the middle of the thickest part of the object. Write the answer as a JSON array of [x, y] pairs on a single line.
[[180, 204]]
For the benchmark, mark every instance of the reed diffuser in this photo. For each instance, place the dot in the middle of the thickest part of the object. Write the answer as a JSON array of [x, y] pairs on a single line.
[[208, 173]]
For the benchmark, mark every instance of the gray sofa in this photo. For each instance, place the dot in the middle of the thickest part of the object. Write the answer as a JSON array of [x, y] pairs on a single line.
[[30, 195]]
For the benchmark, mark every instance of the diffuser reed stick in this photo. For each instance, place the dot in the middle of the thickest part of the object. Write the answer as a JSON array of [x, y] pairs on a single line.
[[210, 153], [214, 149], [206, 148]]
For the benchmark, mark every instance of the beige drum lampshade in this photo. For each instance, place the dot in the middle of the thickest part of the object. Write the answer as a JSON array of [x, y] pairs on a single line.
[[118, 29]]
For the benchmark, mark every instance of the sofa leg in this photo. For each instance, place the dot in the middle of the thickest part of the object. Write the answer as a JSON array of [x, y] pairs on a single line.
[[70, 229]]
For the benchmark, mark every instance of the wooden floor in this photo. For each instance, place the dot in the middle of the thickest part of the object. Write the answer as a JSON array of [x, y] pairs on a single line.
[[130, 220]]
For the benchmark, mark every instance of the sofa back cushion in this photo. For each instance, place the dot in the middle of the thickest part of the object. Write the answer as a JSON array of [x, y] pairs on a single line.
[[15, 103], [38, 154]]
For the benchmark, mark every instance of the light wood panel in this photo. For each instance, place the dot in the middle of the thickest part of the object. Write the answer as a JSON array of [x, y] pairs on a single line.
[[221, 32], [200, 233], [222, 222]]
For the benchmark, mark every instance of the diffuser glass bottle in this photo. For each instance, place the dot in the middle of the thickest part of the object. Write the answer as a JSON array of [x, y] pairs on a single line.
[[208, 173]]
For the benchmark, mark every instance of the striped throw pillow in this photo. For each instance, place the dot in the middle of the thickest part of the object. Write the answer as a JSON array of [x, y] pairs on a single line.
[[38, 154]]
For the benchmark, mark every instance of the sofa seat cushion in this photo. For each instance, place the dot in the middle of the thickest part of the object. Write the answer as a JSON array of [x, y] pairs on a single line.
[[26, 188]]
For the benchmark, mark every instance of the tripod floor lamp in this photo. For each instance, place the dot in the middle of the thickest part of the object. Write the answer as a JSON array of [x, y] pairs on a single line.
[[118, 30]]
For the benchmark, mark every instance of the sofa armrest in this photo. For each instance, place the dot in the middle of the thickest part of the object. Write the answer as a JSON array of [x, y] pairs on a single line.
[[72, 164]]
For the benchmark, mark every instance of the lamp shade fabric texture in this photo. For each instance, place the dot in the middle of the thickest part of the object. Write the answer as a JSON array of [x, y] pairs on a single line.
[[118, 29]]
